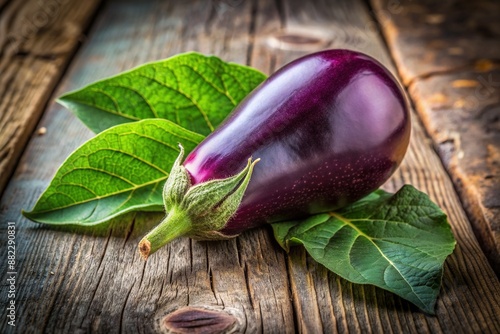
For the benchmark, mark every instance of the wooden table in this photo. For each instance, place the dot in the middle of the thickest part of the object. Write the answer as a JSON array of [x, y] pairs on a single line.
[[447, 55]]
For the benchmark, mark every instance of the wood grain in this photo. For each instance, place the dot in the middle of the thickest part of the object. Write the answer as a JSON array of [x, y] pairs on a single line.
[[95, 281], [449, 56], [432, 37], [37, 39]]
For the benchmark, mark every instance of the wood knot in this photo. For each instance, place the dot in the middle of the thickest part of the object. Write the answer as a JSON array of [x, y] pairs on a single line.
[[198, 320], [297, 39], [309, 39]]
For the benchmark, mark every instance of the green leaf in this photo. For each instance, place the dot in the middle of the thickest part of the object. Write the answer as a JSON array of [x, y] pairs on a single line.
[[192, 90], [121, 169], [396, 242]]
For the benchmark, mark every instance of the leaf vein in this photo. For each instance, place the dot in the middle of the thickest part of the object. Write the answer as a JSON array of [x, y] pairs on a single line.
[[102, 197], [348, 222]]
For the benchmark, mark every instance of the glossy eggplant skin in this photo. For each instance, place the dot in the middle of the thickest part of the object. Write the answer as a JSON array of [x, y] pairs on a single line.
[[329, 128]]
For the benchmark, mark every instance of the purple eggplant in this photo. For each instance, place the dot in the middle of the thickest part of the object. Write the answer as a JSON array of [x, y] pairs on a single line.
[[328, 128]]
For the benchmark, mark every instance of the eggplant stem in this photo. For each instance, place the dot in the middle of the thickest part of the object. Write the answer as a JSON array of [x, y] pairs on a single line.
[[198, 211], [174, 225]]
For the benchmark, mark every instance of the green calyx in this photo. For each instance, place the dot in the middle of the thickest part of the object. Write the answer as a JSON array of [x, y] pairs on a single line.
[[198, 211]]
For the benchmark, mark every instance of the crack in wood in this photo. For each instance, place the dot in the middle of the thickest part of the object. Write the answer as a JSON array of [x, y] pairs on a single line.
[[470, 67], [39, 56], [122, 313], [251, 32], [248, 287]]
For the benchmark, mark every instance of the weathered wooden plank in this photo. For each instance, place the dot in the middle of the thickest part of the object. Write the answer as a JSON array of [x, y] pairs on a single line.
[[449, 56], [37, 39], [99, 283], [431, 37], [323, 296]]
